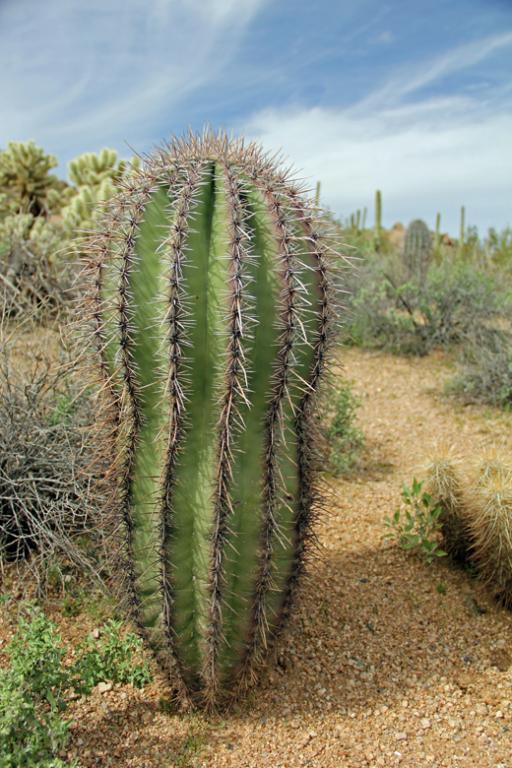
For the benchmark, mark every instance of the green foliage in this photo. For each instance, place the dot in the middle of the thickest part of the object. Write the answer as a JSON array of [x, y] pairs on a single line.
[[485, 370], [389, 312], [32, 697], [344, 439], [35, 687], [112, 657], [416, 526]]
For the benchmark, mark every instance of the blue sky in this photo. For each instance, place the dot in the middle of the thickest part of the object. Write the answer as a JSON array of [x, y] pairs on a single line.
[[412, 97]]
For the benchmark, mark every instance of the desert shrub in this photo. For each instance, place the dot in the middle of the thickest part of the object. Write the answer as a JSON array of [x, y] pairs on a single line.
[[36, 684], [409, 317], [110, 658], [48, 489], [343, 438], [416, 525], [35, 275], [485, 369]]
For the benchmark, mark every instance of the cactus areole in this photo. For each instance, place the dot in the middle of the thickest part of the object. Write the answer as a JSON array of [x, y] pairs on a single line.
[[212, 313]]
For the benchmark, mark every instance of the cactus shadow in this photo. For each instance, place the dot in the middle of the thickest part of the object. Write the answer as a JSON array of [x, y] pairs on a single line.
[[371, 626]]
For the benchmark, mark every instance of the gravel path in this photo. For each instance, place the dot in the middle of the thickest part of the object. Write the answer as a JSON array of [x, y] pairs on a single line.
[[388, 661]]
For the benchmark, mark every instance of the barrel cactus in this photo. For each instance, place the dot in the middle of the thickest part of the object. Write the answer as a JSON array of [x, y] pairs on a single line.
[[213, 313], [417, 254]]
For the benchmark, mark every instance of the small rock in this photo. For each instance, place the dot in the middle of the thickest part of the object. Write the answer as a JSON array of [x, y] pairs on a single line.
[[95, 633], [401, 736], [481, 708], [425, 723], [104, 687]]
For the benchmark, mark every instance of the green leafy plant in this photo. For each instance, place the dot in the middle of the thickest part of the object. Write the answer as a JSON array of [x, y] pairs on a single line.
[[112, 657], [416, 526], [35, 687], [32, 696], [345, 439]]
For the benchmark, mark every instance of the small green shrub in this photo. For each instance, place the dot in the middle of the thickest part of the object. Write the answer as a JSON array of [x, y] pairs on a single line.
[[34, 688], [344, 439], [485, 374], [112, 658], [416, 526], [387, 310]]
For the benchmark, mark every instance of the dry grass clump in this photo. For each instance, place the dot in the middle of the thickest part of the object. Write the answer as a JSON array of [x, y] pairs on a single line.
[[446, 484], [48, 494]]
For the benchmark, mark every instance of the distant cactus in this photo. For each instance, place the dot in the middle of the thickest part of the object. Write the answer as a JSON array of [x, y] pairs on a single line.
[[437, 236], [96, 178], [92, 170], [462, 229], [377, 232], [417, 253], [26, 181], [213, 310]]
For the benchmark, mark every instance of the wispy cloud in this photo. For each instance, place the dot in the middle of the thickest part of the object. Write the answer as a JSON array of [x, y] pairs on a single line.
[[417, 76], [71, 69], [426, 155]]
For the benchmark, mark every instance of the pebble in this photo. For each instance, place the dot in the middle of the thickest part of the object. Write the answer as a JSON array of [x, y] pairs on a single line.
[[104, 687]]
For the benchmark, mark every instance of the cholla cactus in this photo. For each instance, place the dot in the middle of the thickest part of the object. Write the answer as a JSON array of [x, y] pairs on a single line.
[[417, 253], [92, 170], [213, 312], [26, 181]]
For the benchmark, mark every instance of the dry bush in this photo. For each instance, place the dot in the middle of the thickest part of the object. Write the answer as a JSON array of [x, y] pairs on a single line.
[[49, 495]]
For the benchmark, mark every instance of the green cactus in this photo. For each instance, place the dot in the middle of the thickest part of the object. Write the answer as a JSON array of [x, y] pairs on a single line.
[[437, 236], [213, 310], [462, 229], [417, 253], [28, 186], [92, 170], [377, 231]]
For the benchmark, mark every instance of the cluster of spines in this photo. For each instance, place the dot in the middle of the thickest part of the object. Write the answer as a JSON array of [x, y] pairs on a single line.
[[286, 205], [477, 516]]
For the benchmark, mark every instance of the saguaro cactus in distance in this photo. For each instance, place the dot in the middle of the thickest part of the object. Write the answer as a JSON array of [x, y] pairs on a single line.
[[212, 311], [417, 253]]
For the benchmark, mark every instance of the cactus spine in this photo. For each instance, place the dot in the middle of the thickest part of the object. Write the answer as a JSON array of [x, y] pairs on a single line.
[[377, 232], [213, 313]]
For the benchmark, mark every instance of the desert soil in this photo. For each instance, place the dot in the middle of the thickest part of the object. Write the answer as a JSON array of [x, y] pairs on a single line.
[[388, 661]]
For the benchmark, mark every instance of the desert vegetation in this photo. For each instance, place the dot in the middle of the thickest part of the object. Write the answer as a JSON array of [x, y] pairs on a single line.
[[394, 466]]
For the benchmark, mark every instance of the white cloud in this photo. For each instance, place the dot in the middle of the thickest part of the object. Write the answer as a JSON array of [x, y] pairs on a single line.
[[96, 70], [426, 156]]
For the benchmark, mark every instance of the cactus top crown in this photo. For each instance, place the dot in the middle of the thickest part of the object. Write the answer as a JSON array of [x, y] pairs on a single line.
[[212, 311]]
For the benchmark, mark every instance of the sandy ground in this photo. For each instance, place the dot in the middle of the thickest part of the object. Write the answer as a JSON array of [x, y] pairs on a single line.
[[387, 662]]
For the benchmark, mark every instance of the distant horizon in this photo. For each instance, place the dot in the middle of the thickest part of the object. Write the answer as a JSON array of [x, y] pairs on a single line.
[[413, 100]]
